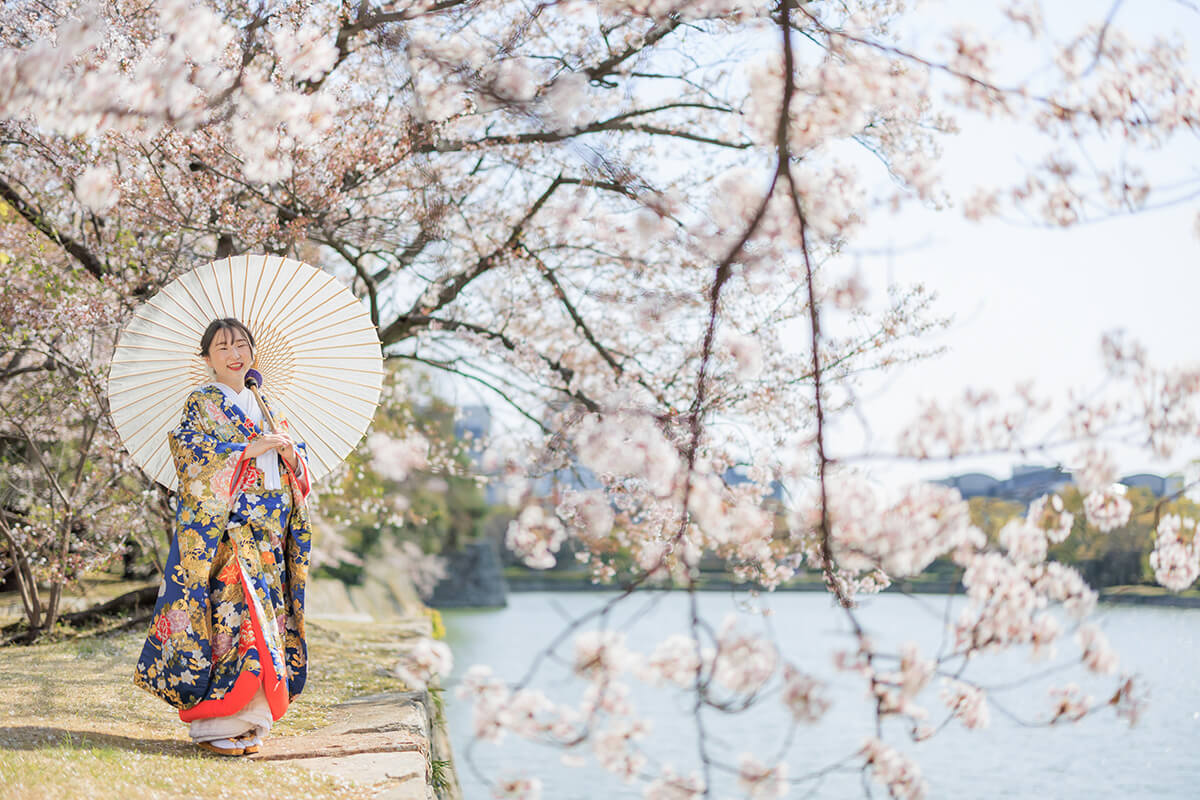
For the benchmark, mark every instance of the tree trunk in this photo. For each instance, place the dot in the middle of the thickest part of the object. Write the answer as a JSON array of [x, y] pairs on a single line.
[[26, 585], [60, 576]]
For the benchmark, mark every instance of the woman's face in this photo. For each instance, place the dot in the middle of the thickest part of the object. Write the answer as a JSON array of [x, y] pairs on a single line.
[[230, 356]]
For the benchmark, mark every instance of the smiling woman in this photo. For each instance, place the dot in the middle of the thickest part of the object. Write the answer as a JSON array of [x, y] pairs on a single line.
[[226, 645]]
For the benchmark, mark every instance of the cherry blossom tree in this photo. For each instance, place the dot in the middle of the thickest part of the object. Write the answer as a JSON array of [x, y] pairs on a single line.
[[628, 220], [72, 500]]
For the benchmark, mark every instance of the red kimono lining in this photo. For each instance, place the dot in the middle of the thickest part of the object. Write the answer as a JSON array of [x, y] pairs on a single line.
[[239, 474], [247, 683]]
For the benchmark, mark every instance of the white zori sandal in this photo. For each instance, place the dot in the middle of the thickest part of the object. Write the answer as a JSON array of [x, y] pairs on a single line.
[[249, 742], [223, 747]]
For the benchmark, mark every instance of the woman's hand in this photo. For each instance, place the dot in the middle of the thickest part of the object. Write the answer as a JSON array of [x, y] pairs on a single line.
[[273, 441], [287, 449]]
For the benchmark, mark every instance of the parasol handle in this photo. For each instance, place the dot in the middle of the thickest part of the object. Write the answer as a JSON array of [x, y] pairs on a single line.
[[253, 381]]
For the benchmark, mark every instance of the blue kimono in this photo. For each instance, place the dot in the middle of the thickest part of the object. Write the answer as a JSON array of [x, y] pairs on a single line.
[[230, 610]]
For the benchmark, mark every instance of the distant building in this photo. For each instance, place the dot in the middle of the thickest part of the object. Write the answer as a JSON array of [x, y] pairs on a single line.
[[735, 476], [476, 420], [1029, 482], [1157, 484]]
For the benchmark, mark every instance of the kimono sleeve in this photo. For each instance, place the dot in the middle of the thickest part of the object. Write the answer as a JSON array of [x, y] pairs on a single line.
[[177, 655], [207, 462]]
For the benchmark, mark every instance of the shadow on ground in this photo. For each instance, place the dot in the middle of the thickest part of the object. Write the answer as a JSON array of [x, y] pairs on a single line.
[[36, 737]]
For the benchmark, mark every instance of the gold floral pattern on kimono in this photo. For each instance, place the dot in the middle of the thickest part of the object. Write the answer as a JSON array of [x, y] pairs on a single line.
[[230, 610]]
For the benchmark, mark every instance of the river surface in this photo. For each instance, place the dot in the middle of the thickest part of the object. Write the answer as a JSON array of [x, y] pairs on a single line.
[[1100, 757]]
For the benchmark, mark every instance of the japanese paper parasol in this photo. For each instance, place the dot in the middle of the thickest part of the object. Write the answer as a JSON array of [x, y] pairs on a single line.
[[319, 355]]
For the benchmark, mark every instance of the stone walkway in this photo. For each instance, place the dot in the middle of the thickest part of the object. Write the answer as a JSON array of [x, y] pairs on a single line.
[[387, 741], [381, 740]]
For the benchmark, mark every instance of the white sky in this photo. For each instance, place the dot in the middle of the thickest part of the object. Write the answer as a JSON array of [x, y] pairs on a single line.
[[1032, 303], [1028, 302]]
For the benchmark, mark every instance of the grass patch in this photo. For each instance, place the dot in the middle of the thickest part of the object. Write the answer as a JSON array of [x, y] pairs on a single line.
[[1134, 590], [74, 724]]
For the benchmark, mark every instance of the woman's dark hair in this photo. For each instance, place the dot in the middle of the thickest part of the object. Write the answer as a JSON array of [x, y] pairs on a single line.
[[230, 324]]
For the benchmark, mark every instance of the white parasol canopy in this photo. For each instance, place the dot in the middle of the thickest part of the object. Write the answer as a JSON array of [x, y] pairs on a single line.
[[315, 346]]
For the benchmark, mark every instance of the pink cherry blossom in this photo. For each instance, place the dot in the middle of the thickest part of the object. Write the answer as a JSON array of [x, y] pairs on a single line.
[[1098, 655], [1047, 514], [760, 781], [96, 188], [670, 786], [1176, 565], [601, 655], [518, 789], [535, 535], [1107, 509], [899, 774], [743, 662], [1024, 542], [968, 703], [1069, 703], [424, 661], [804, 696]]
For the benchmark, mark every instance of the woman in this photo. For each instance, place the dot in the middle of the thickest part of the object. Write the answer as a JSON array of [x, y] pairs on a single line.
[[226, 644]]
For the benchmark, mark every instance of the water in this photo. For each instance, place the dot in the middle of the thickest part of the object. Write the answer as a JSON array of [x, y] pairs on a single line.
[[1101, 757]]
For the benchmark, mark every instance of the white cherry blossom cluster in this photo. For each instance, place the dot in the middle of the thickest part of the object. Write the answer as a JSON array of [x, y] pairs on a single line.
[[496, 709], [1023, 541], [733, 523], [535, 536], [804, 695], [677, 661], [1009, 601], [518, 788], [1107, 509], [601, 655], [1098, 655], [605, 714], [628, 446], [967, 702], [1176, 564], [307, 53], [396, 459], [589, 515], [900, 537], [898, 773], [978, 422], [1095, 470], [746, 353], [96, 189], [1048, 515], [1069, 703], [616, 748], [743, 662], [425, 661], [687, 9], [425, 570], [762, 781], [672, 786], [1062, 584], [895, 691], [178, 70]]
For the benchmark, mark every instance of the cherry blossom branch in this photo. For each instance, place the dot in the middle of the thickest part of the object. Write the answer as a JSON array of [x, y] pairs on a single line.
[[451, 369], [402, 326], [581, 325], [86, 258], [601, 70], [419, 321]]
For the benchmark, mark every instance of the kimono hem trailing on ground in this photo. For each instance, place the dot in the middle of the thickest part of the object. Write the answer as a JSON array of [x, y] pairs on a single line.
[[230, 610]]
